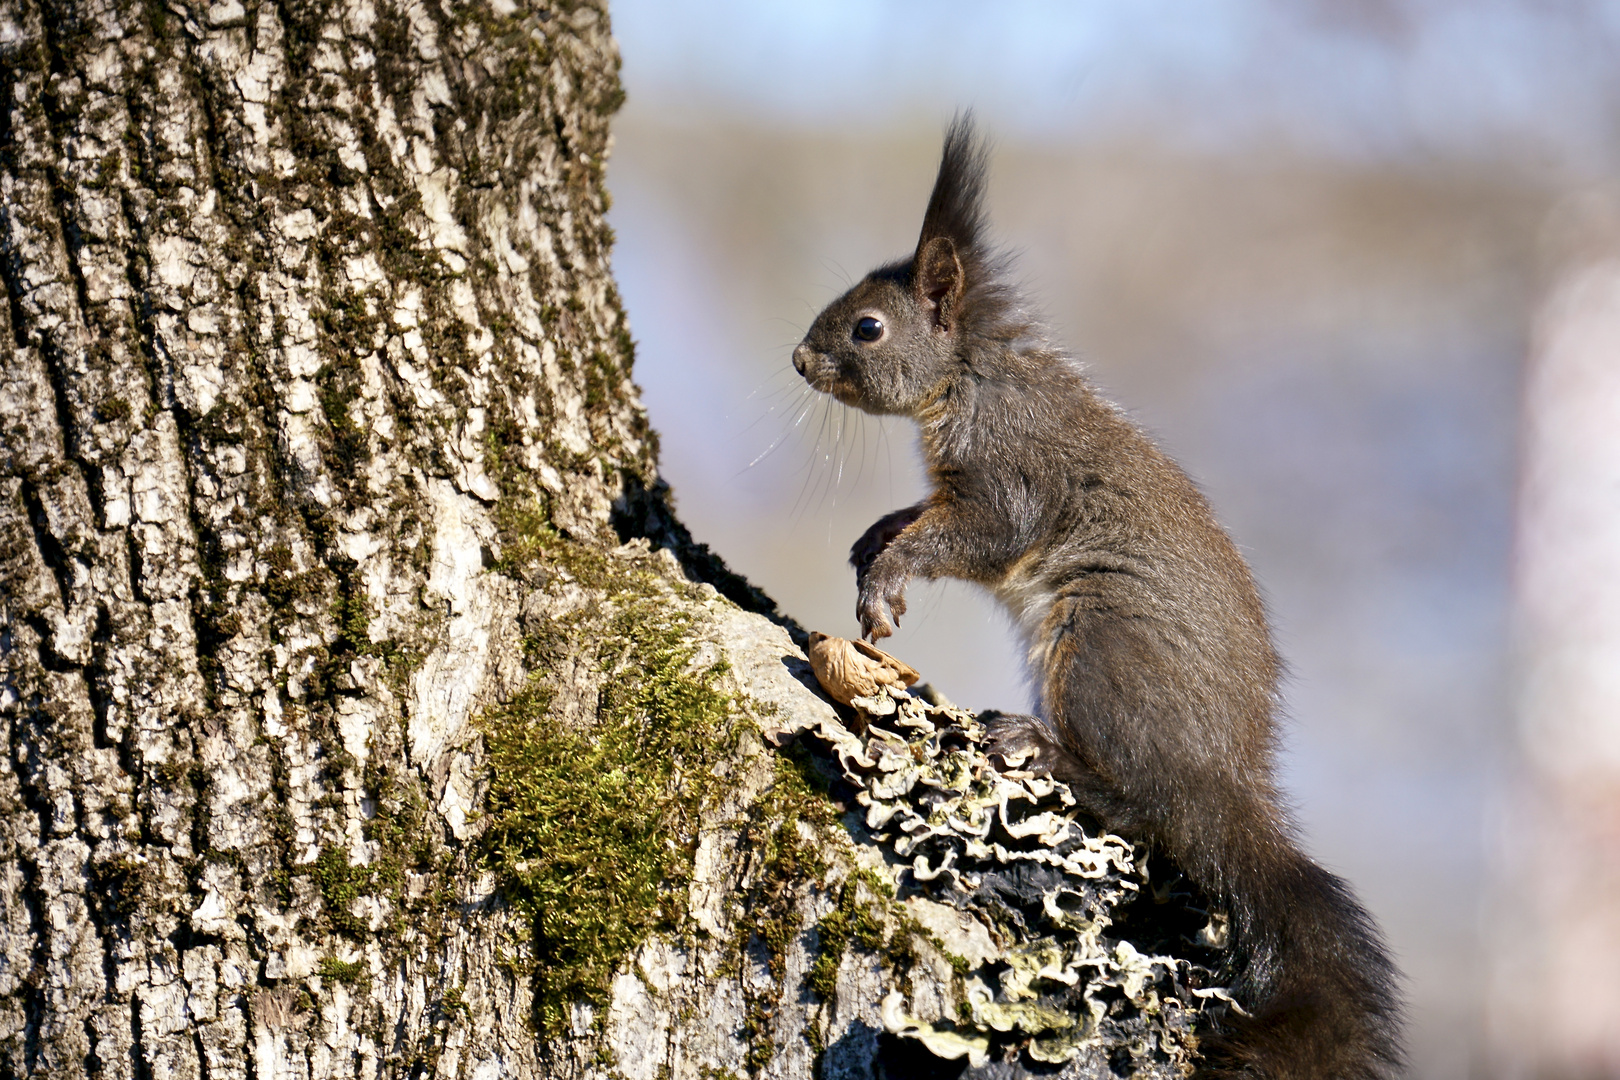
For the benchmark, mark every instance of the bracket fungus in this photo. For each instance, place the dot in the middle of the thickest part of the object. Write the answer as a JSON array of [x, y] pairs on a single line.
[[1062, 944]]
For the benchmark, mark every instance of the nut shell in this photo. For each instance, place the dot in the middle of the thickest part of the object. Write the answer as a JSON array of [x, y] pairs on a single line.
[[850, 669]]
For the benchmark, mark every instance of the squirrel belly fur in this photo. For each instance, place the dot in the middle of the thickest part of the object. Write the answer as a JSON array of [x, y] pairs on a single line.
[[1147, 640]]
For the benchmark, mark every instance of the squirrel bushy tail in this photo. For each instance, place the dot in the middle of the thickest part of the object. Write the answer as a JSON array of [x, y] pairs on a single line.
[[1175, 751], [1317, 990], [1313, 976]]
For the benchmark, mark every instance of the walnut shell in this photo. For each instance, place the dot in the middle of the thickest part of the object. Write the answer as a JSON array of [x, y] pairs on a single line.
[[850, 669]]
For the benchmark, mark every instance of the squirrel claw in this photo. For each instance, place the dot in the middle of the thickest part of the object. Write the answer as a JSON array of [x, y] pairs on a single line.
[[877, 633]]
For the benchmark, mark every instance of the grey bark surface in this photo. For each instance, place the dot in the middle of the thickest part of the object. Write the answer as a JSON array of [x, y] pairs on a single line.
[[309, 333]]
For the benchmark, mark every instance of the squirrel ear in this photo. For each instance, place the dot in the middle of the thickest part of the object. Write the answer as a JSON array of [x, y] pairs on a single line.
[[940, 280]]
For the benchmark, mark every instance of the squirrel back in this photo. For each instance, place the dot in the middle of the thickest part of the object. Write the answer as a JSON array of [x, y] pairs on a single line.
[[1145, 634]]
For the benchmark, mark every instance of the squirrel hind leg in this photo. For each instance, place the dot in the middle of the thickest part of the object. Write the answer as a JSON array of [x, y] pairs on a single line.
[[1021, 741], [1029, 741]]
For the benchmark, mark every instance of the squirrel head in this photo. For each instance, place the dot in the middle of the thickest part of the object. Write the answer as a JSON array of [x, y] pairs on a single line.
[[898, 339]]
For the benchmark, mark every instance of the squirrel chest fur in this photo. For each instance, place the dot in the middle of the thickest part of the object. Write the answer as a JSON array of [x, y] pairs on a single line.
[[1145, 635]]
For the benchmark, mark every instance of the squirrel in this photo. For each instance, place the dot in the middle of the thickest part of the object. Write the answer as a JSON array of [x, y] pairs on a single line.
[[1146, 638]]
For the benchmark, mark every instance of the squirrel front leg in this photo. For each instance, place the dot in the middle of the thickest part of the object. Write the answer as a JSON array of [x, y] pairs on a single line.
[[932, 539], [871, 596]]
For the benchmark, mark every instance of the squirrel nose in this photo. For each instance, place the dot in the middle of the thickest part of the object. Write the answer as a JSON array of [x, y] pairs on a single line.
[[801, 357]]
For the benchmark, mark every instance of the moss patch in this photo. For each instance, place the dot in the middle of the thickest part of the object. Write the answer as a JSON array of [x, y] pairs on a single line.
[[786, 828], [852, 921], [591, 829], [343, 971], [341, 884]]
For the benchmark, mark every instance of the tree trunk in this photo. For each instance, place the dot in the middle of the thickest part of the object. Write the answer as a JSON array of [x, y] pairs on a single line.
[[367, 712]]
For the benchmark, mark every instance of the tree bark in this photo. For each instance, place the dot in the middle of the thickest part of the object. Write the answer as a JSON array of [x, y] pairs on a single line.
[[366, 710]]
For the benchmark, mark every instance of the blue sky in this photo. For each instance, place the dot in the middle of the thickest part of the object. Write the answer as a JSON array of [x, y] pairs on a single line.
[[1352, 76]]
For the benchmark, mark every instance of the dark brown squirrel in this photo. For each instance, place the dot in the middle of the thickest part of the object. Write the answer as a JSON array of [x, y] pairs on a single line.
[[1147, 640]]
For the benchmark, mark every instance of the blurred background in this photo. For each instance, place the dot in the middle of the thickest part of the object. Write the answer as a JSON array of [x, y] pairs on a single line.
[[1321, 250]]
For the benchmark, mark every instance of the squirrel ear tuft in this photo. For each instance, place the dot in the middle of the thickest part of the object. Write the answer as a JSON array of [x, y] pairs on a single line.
[[940, 280], [956, 208]]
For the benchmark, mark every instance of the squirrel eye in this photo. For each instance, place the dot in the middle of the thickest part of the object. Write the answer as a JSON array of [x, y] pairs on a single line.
[[868, 328]]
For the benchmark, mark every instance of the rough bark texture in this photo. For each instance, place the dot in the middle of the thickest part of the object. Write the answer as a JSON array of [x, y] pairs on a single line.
[[353, 726]]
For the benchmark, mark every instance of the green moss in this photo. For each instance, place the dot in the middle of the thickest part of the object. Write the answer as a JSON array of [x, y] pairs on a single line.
[[817, 1040], [124, 885], [286, 585], [900, 952], [352, 614], [353, 619], [602, 378], [343, 971], [454, 1004], [528, 538], [785, 827], [770, 910], [341, 884], [853, 921], [591, 829], [337, 387], [171, 775], [757, 1036]]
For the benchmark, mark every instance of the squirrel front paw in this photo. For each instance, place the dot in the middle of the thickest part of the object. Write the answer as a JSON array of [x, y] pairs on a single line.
[[880, 589]]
